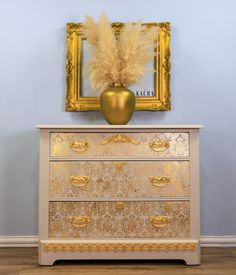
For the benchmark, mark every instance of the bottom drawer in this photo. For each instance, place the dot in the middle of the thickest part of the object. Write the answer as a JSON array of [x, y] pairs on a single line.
[[130, 219]]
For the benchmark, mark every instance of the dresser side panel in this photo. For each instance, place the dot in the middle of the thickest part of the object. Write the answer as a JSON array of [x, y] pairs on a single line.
[[43, 184], [194, 185]]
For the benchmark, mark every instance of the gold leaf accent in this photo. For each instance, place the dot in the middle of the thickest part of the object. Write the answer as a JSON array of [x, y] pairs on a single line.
[[120, 205], [120, 166]]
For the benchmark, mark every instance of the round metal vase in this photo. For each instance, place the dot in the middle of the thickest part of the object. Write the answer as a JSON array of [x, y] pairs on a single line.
[[117, 104]]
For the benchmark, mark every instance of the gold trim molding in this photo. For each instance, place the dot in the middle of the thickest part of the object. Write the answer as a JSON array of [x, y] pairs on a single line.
[[74, 98], [120, 247]]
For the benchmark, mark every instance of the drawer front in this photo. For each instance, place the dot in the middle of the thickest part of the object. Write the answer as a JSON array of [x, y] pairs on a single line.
[[112, 179], [119, 145], [119, 219]]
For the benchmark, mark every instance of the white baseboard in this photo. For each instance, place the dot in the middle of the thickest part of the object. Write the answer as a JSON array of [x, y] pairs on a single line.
[[19, 241], [32, 241], [218, 241]]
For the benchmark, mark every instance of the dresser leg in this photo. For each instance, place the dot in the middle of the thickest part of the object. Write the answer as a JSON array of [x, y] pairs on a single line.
[[192, 259], [45, 262], [45, 259]]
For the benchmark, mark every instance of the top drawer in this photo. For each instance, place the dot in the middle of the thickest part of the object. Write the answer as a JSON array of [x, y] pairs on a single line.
[[139, 145]]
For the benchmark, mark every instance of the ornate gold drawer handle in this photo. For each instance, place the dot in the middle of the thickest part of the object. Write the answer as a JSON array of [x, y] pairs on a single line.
[[159, 181], [160, 145], [119, 138], [79, 146], [79, 181], [79, 221], [160, 221]]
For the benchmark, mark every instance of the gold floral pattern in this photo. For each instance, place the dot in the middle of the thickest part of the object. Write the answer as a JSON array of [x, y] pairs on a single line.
[[178, 145], [119, 180], [105, 221], [120, 247]]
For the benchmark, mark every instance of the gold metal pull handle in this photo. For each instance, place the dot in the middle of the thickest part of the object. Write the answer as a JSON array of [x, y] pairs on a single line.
[[79, 181], [159, 181], [79, 146], [119, 138], [160, 145], [159, 221], [120, 205], [79, 221]]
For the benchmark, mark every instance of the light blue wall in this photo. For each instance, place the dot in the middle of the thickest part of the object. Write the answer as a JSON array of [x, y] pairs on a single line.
[[32, 89]]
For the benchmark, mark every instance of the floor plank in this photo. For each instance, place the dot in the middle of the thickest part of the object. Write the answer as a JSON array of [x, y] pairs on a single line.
[[215, 261]]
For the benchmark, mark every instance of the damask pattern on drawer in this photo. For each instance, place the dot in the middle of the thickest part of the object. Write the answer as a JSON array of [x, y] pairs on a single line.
[[134, 145], [119, 179], [147, 219]]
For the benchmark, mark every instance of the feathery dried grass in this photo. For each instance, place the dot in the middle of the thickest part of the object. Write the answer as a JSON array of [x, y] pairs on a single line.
[[102, 67], [91, 31], [121, 60], [136, 47]]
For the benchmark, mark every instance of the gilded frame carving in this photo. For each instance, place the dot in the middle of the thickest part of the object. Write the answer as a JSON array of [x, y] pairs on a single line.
[[74, 99]]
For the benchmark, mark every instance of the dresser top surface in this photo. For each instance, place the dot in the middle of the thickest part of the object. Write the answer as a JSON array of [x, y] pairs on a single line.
[[195, 126]]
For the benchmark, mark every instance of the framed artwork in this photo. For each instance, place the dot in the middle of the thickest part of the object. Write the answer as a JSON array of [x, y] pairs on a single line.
[[152, 93]]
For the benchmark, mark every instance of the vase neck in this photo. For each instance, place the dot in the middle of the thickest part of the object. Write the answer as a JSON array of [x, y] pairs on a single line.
[[117, 84]]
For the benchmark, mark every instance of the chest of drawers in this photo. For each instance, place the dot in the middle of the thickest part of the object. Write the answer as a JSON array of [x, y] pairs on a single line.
[[119, 192]]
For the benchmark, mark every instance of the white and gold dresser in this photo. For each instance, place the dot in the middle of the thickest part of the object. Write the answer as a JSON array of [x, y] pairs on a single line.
[[119, 192]]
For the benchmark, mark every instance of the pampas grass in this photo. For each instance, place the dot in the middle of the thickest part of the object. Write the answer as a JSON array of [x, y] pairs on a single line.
[[119, 60]]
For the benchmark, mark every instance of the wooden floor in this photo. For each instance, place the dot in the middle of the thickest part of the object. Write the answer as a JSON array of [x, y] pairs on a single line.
[[24, 261]]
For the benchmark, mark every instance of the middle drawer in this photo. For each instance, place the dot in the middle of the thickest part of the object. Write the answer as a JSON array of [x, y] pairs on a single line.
[[114, 179]]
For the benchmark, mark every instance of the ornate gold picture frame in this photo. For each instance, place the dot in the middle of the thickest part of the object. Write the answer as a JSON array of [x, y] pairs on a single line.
[[160, 100]]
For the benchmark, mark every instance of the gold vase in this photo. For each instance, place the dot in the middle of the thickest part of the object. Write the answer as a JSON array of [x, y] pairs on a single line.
[[117, 104]]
